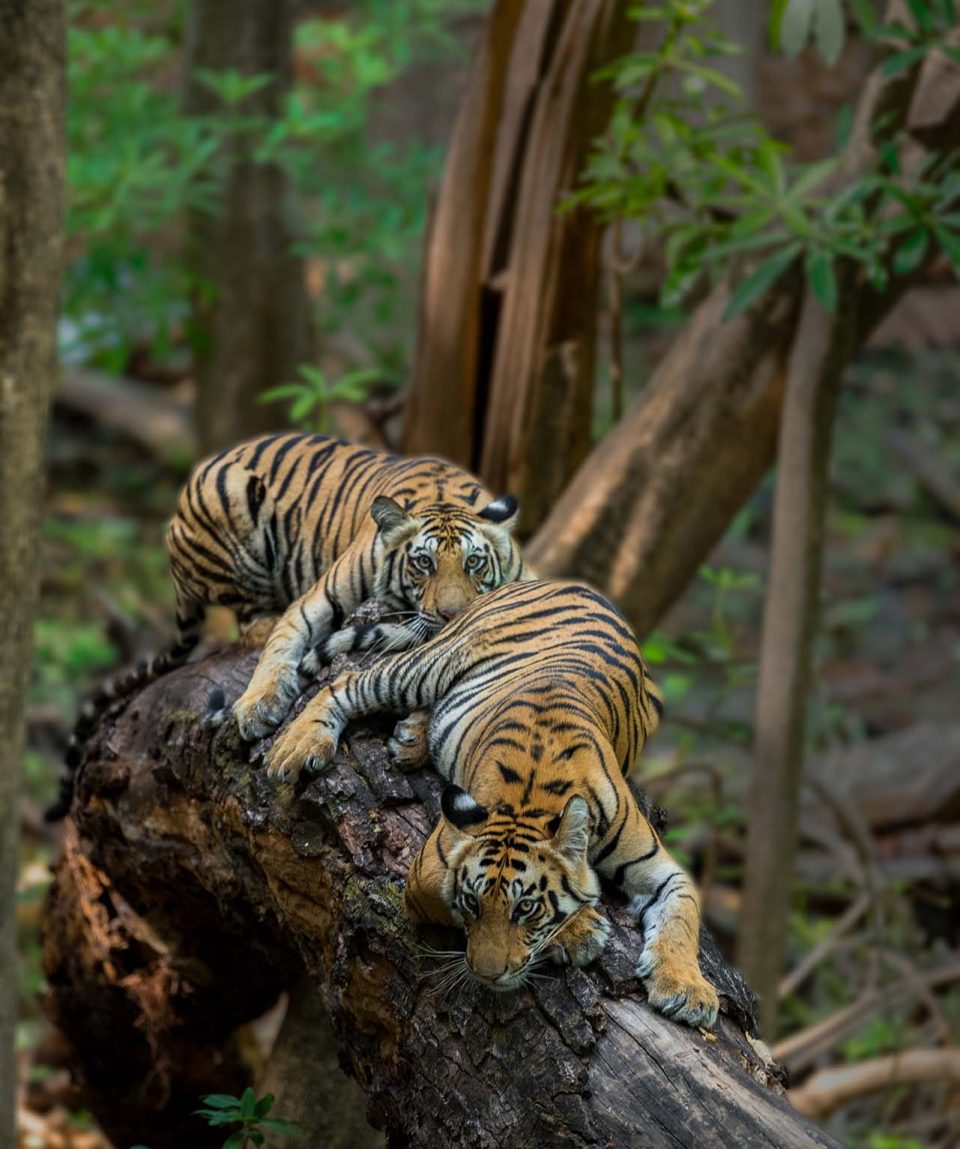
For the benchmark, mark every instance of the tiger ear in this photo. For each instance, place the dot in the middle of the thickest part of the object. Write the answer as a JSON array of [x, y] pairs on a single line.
[[572, 837], [460, 810], [393, 522], [502, 511]]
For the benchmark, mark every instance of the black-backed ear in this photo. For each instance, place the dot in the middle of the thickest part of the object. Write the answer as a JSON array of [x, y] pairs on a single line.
[[460, 809], [572, 837], [392, 520], [502, 511]]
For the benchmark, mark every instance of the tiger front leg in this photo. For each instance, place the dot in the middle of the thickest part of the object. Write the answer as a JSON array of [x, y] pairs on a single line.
[[665, 903], [580, 939], [311, 740], [276, 681], [409, 747]]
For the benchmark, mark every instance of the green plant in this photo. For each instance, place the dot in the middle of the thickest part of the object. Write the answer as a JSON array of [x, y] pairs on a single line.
[[315, 392], [139, 163], [249, 1112], [689, 160]]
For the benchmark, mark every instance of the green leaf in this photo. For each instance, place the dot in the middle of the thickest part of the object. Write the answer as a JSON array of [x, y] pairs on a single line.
[[776, 21], [950, 242], [909, 255], [248, 1103], [221, 1101], [303, 406], [864, 12], [763, 277], [284, 391], [901, 61], [236, 1140], [823, 281], [795, 26], [830, 30], [264, 1105], [256, 1136]]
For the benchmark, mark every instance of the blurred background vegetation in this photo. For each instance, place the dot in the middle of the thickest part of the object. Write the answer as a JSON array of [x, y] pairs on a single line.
[[359, 139]]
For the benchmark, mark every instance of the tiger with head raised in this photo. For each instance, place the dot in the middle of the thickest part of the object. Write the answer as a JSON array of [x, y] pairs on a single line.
[[293, 532], [540, 706]]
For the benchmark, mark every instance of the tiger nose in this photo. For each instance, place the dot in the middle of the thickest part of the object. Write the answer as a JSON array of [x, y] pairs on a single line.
[[448, 612]]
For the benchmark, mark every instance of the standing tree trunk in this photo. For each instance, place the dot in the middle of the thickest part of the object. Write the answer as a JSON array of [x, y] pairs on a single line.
[[789, 624], [251, 313], [504, 377], [32, 68]]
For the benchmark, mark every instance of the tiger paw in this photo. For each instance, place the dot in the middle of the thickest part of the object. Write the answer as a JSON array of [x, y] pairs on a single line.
[[582, 938], [408, 747], [304, 745], [261, 709], [680, 992]]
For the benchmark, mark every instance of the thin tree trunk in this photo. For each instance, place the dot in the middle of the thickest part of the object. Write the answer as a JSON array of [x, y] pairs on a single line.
[[251, 322], [820, 351], [203, 890], [32, 80]]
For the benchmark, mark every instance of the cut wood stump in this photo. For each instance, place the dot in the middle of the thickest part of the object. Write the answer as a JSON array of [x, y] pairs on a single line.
[[192, 891]]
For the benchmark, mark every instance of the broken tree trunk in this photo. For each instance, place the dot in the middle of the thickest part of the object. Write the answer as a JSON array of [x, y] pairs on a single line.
[[504, 375], [192, 892]]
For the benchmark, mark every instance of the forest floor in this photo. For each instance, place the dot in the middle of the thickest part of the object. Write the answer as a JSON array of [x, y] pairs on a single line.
[[876, 923]]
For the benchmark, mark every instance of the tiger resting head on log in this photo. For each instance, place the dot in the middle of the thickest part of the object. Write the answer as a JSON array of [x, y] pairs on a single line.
[[293, 532], [534, 704]]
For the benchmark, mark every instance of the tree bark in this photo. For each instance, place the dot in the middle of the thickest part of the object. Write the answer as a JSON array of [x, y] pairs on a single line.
[[251, 323], [660, 489], [504, 377], [214, 889], [32, 82]]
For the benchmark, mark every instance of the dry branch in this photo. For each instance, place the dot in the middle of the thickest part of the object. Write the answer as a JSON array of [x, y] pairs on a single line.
[[204, 892], [828, 1089]]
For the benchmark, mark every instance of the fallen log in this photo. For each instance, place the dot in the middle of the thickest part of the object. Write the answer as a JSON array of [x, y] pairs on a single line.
[[192, 892]]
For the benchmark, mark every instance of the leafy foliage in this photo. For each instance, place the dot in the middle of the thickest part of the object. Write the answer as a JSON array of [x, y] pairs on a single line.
[[138, 163], [684, 156], [315, 392], [249, 1112]]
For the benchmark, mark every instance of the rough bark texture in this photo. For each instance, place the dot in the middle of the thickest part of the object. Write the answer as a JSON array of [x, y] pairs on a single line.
[[240, 887], [32, 72], [251, 313], [504, 377]]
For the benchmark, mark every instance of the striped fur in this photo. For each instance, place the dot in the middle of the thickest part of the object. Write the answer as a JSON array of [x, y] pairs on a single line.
[[306, 527], [540, 705]]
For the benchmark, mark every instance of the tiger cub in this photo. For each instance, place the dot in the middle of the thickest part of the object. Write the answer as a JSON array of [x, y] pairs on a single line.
[[540, 706], [305, 527]]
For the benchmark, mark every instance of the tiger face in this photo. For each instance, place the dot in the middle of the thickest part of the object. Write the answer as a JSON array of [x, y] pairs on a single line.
[[438, 559], [521, 887]]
